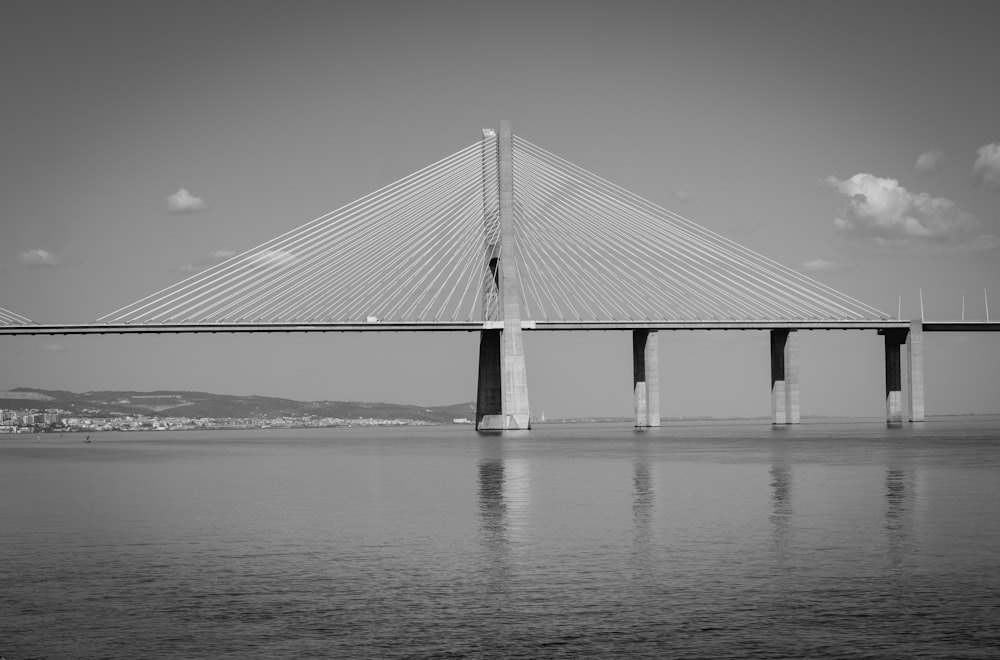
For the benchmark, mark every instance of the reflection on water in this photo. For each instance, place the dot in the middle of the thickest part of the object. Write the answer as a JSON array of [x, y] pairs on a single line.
[[643, 497], [781, 502], [725, 541], [504, 503], [494, 526], [899, 500], [517, 495], [492, 507]]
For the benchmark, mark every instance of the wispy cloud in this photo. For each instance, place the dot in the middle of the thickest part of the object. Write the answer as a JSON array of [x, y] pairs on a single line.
[[821, 265], [52, 348], [273, 257], [38, 259], [928, 161], [684, 194], [184, 202], [887, 214], [987, 167], [207, 261]]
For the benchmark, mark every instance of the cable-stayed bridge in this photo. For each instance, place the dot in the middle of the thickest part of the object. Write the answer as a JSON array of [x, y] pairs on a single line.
[[12, 320], [503, 237]]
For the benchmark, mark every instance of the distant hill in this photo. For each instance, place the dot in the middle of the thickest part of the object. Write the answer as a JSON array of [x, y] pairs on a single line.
[[204, 404]]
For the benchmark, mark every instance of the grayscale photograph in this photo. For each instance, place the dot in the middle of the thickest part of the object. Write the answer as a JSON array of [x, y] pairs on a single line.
[[535, 329]]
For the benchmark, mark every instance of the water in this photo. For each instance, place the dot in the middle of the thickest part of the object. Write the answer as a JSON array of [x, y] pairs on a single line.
[[708, 540]]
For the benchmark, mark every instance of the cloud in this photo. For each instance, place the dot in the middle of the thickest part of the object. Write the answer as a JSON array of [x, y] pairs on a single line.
[[52, 348], [987, 167], [184, 202], [38, 259], [887, 214], [201, 263], [273, 257], [684, 194], [821, 264], [270, 257], [928, 161]]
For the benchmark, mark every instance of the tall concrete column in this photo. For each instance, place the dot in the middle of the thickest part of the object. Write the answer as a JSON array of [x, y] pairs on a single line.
[[894, 340], [915, 369], [646, 378], [515, 413], [792, 378], [784, 377], [489, 395]]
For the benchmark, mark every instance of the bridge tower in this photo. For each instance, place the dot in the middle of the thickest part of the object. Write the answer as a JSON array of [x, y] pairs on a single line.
[[502, 396]]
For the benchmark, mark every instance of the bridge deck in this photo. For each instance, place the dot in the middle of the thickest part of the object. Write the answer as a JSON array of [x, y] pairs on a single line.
[[467, 326], [961, 326]]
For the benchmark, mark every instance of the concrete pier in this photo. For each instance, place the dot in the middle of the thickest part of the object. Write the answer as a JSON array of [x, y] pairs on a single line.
[[489, 395], [784, 377], [915, 370], [894, 340], [646, 378]]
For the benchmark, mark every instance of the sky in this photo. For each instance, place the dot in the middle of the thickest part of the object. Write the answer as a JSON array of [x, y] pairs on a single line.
[[857, 142]]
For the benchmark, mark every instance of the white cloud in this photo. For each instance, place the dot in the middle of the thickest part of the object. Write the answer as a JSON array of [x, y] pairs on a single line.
[[821, 264], [684, 194], [38, 259], [268, 257], [274, 256], [52, 348], [213, 258], [184, 202], [889, 215], [987, 167], [928, 161]]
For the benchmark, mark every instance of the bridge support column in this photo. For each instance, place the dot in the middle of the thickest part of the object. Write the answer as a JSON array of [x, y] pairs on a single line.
[[894, 340], [915, 370], [646, 378], [502, 395], [516, 413], [784, 377], [489, 395]]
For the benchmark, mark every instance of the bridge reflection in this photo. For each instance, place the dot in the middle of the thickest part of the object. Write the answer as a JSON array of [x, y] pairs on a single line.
[[504, 502], [781, 503], [788, 502], [643, 500], [900, 498], [899, 492]]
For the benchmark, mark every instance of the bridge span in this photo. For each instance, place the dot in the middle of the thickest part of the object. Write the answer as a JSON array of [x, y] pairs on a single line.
[[463, 326], [903, 345], [502, 238]]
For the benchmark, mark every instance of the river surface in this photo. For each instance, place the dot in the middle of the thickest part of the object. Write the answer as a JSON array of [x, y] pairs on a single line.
[[835, 539]]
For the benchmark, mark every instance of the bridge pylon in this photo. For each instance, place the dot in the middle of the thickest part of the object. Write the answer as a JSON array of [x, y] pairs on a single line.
[[502, 396]]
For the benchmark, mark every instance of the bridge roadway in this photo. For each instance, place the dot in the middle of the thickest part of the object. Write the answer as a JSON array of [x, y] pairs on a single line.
[[903, 345], [472, 326]]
